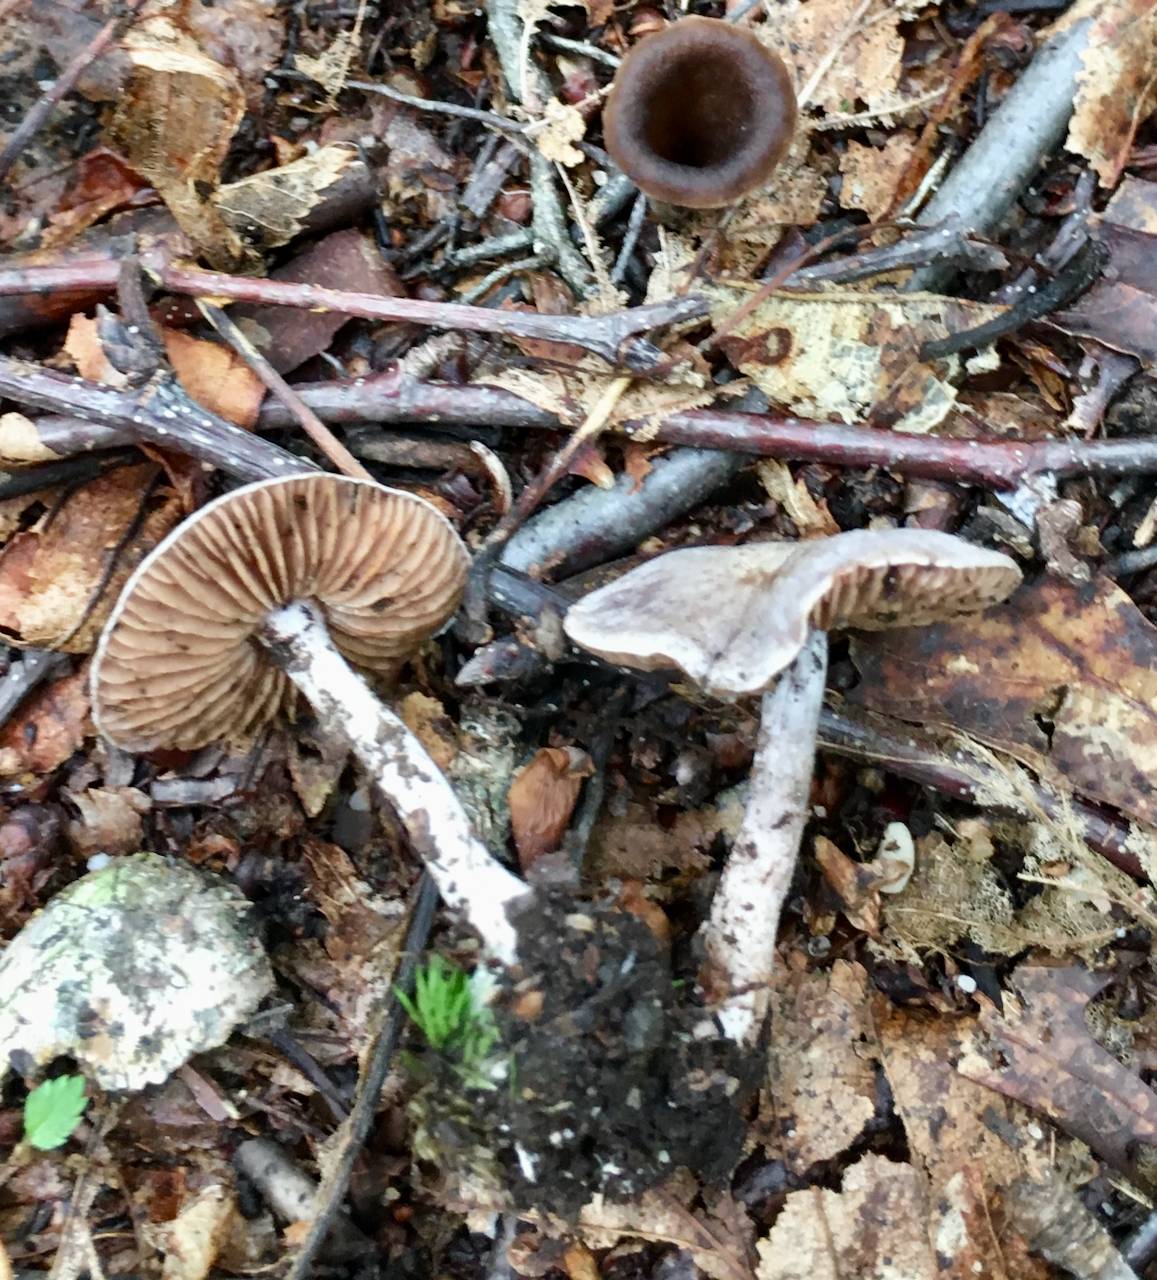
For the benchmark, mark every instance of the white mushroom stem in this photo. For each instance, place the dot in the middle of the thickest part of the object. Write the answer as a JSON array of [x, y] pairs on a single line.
[[469, 878], [740, 932]]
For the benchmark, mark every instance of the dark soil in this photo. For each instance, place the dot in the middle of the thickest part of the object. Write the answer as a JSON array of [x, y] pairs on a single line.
[[616, 1080]]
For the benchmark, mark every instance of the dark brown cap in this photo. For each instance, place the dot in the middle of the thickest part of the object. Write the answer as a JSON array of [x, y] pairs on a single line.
[[700, 113]]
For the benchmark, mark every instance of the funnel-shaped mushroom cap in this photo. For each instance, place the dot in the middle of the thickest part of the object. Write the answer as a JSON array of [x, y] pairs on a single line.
[[733, 618], [180, 663], [700, 114]]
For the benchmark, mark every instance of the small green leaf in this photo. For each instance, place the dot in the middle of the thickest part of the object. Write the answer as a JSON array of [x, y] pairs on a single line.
[[52, 1111]]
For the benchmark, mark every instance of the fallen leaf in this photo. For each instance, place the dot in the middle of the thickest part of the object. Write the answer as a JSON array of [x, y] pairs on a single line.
[[1062, 677], [47, 728], [811, 518], [874, 1227], [427, 720], [110, 820], [1042, 1053], [563, 128], [59, 580], [870, 173], [856, 884], [1116, 86], [102, 183], [174, 123], [847, 354], [191, 1242], [821, 1069], [542, 798]]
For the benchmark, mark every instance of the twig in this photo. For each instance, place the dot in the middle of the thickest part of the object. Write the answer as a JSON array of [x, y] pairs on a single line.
[[631, 239], [988, 461], [533, 494], [490, 119], [34, 121], [160, 412], [550, 232], [309, 422], [377, 1068], [995, 169], [613, 336], [503, 273]]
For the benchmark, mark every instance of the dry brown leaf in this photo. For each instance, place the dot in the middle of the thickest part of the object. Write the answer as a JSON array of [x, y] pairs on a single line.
[[811, 518], [634, 845], [213, 375], [574, 394], [821, 1071], [331, 67], [316, 762], [866, 66], [101, 184], [849, 355], [542, 798], [48, 727], [870, 173], [970, 1143], [874, 1227], [174, 123], [718, 1237], [274, 207], [53, 588], [1063, 678], [110, 820], [1042, 1053], [191, 1242], [1117, 85], [20, 444], [564, 127], [856, 884], [361, 921], [426, 718]]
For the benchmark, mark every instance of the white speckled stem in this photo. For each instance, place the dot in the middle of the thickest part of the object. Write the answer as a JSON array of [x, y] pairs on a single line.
[[740, 932], [470, 880]]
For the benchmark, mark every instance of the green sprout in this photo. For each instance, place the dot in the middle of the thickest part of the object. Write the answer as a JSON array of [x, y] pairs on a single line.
[[448, 1008], [52, 1111]]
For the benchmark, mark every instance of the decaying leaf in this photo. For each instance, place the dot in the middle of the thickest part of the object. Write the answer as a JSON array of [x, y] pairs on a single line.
[[821, 1074], [635, 846], [968, 1142], [564, 127], [718, 1237], [426, 718], [49, 726], [1041, 1053], [1063, 678], [870, 173], [110, 820], [20, 443], [542, 798], [59, 580], [849, 355], [874, 1226], [212, 373], [174, 122], [1117, 86], [191, 1242], [271, 208], [811, 517]]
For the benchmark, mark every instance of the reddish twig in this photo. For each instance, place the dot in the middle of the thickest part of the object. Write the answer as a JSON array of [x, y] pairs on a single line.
[[34, 121], [613, 337], [993, 463]]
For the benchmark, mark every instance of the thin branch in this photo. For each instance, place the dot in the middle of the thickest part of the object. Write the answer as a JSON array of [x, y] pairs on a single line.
[[988, 461], [309, 422], [613, 337]]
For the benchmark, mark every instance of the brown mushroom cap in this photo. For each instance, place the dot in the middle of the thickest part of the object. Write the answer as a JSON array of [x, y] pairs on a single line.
[[733, 618], [179, 663], [700, 113]]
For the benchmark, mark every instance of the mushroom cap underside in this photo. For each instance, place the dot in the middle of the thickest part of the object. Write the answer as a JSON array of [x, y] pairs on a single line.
[[732, 618], [180, 664]]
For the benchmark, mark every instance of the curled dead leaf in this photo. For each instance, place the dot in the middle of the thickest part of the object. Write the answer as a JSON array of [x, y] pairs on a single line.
[[542, 798]]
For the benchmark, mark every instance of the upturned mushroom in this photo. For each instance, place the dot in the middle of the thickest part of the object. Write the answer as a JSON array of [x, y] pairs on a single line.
[[700, 113], [284, 583], [754, 620]]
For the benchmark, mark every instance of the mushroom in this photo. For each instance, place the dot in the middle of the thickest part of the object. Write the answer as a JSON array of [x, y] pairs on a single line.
[[754, 619], [276, 585], [700, 113]]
